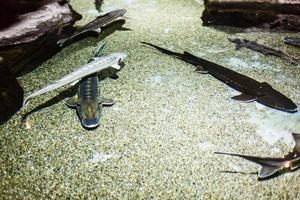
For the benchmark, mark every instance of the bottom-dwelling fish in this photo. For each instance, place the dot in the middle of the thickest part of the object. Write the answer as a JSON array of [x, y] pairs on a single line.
[[87, 101], [292, 41], [251, 90], [96, 65], [271, 167], [239, 43]]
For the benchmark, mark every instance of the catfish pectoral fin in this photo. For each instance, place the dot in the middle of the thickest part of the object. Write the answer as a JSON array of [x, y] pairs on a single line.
[[244, 98], [73, 101], [267, 171], [201, 70], [107, 102]]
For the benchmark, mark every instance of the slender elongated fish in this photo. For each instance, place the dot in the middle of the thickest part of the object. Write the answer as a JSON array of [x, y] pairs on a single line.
[[292, 41], [274, 166], [87, 101], [240, 43], [251, 90], [93, 26], [96, 65]]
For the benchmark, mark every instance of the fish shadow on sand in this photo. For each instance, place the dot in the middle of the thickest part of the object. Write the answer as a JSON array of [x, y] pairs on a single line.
[[252, 173], [110, 72], [228, 29]]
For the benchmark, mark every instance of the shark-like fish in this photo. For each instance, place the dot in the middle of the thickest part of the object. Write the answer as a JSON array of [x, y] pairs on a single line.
[[292, 41], [96, 65], [271, 167], [87, 101], [251, 90], [93, 26], [240, 43]]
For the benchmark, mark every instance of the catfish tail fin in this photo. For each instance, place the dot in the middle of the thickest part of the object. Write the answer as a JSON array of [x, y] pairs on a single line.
[[166, 51]]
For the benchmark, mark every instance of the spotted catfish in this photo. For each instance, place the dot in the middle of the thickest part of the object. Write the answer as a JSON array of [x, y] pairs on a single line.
[[251, 90], [271, 167], [87, 101]]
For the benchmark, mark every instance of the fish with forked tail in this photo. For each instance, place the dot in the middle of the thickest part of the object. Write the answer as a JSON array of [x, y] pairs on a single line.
[[271, 167], [251, 90], [87, 101]]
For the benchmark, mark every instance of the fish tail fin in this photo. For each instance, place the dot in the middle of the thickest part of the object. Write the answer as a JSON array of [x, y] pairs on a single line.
[[100, 50], [223, 153], [166, 51]]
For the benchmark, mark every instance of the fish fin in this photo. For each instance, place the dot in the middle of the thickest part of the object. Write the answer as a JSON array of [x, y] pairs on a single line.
[[72, 101], [26, 101], [297, 142], [106, 102], [116, 66], [99, 51], [97, 30], [201, 70], [244, 98], [74, 83], [163, 50], [267, 171]]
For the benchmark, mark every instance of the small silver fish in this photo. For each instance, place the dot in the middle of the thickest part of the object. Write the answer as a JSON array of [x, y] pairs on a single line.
[[98, 64]]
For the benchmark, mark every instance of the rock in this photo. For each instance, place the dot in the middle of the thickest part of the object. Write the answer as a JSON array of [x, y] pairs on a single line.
[[268, 14], [30, 30], [11, 94]]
